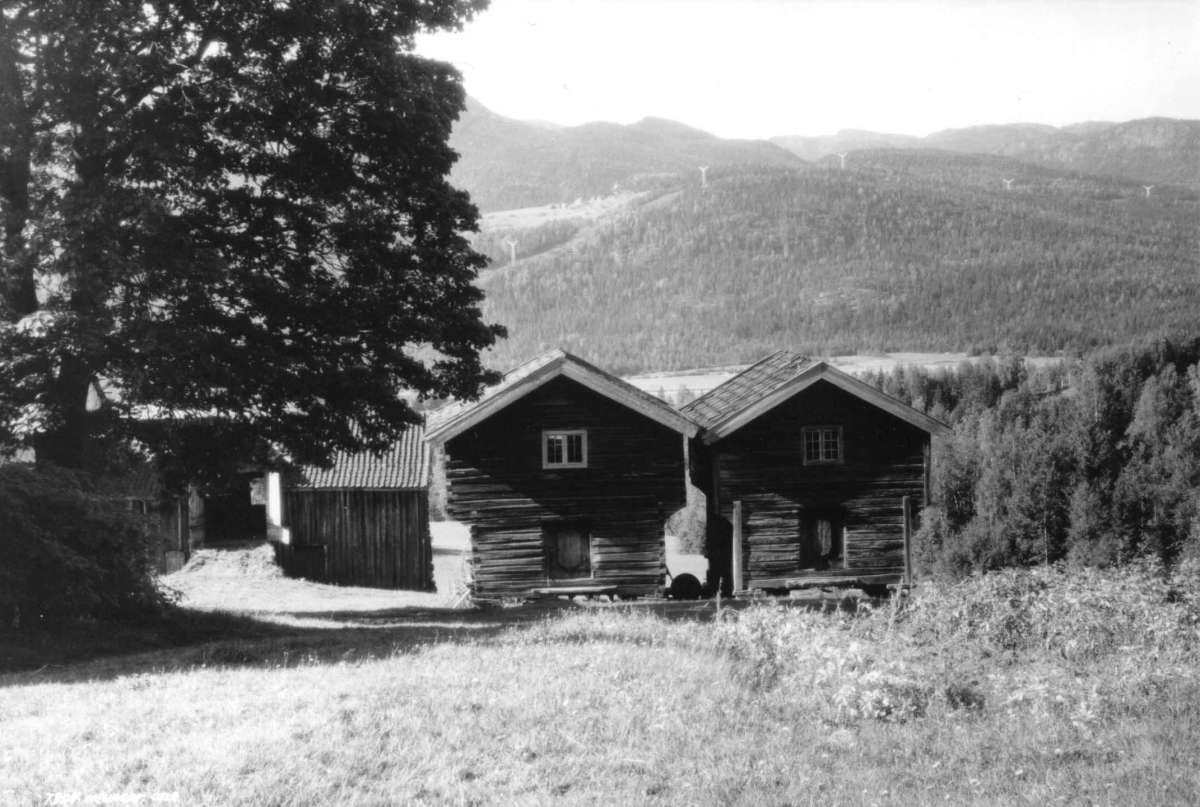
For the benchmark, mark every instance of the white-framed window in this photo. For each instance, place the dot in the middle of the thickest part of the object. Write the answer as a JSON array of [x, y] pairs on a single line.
[[564, 448], [822, 445]]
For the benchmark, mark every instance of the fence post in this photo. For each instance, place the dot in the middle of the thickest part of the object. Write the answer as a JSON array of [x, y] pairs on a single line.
[[907, 517], [736, 549]]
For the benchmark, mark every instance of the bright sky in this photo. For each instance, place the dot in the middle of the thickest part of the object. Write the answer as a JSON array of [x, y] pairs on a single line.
[[757, 68]]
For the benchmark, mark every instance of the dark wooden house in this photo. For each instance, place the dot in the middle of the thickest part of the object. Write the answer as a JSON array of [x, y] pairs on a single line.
[[362, 522], [164, 516], [817, 473], [565, 475]]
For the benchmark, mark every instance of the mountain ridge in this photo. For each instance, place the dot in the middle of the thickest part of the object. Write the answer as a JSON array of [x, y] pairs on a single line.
[[505, 163], [656, 246], [1155, 149]]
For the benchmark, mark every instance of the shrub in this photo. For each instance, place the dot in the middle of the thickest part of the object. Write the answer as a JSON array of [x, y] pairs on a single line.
[[1077, 614], [69, 552], [816, 661]]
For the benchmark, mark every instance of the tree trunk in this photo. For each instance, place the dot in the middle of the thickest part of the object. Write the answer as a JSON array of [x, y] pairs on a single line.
[[66, 444], [18, 292]]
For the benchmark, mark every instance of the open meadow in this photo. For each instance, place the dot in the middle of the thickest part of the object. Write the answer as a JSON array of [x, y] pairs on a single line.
[[1042, 687]]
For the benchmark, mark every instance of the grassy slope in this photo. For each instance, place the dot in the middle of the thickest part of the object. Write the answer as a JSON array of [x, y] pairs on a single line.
[[1019, 690]]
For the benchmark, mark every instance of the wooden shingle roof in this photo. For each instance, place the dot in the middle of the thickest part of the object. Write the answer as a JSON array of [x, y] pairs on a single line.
[[405, 466], [757, 380], [768, 383], [456, 418]]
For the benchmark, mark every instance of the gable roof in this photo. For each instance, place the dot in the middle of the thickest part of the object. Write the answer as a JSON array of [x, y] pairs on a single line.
[[746, 387], [769, 382], [405, 466], [452, 420]]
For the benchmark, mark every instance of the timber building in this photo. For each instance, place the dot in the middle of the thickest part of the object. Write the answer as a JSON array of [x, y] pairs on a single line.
[[817, 473], [364, 521], [565, 475]]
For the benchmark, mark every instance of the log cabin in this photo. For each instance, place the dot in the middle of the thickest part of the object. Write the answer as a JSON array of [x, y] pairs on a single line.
[[814, 475], [565, 475], [364, 521]]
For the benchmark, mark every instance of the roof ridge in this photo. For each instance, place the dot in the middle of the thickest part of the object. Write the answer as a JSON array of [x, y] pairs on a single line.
[[728, 383], [403, 465], [459, 415]]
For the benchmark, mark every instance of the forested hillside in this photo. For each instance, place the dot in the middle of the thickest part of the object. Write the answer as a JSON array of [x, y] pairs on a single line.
[[913, 250], [1095, 462], [506, 163], [1152, 150]]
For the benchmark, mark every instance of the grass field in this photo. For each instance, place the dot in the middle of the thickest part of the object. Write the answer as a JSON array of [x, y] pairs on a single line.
[[1032, 688]]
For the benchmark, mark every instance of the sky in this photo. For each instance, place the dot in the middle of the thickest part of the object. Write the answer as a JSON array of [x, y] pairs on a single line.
[[760, 68]]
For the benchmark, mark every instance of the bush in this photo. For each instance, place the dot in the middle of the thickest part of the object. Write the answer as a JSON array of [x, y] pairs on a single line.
[[817, 662], [69, 552], [1076, 614]]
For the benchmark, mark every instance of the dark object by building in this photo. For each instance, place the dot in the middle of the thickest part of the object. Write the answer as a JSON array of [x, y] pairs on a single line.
[[362, 522], [565, 475], [684, 587], [823, 466]]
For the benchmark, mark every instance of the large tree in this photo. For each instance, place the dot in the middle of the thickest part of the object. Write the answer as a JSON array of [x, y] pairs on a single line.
[[233, 217]]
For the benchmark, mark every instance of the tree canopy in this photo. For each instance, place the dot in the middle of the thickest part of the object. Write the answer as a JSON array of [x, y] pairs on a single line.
[[234, 219], [1094, 461]]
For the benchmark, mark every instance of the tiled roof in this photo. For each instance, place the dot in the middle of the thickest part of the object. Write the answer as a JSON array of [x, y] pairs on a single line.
[[404, 466], [747, 387]]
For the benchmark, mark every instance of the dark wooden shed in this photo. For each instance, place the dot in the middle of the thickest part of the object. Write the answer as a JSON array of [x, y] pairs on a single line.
[[165, 516], [819, 474], [365, 520], [565, 475]]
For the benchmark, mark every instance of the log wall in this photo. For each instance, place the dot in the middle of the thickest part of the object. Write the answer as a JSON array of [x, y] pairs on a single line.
[[762, 465], [496, 484], [376, 538]]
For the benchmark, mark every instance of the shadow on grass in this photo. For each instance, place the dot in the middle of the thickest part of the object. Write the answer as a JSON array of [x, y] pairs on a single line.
[[183, 639]]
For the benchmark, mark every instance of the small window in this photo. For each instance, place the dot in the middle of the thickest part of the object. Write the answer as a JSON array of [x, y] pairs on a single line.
[[822, 444], [564, 449]]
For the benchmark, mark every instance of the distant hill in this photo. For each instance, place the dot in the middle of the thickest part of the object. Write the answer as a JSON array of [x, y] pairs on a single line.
[[1153, 150], [904, 249], [820, 147], [507, 163]]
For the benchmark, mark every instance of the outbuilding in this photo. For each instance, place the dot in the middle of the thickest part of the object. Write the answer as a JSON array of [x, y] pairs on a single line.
[[814, 475], [566, 475], [364, 521]]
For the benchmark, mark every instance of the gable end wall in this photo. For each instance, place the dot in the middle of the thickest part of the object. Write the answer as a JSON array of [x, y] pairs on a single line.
[[496, 484], [761, 465]]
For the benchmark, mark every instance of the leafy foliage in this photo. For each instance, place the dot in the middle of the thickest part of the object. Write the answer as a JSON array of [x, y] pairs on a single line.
[[1077, 646], [1077, 615], [1094, 461], [236, 217], [69, 551]]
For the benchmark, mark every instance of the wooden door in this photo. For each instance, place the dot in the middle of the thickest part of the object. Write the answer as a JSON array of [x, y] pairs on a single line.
[[568, 552], [821, 539]]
